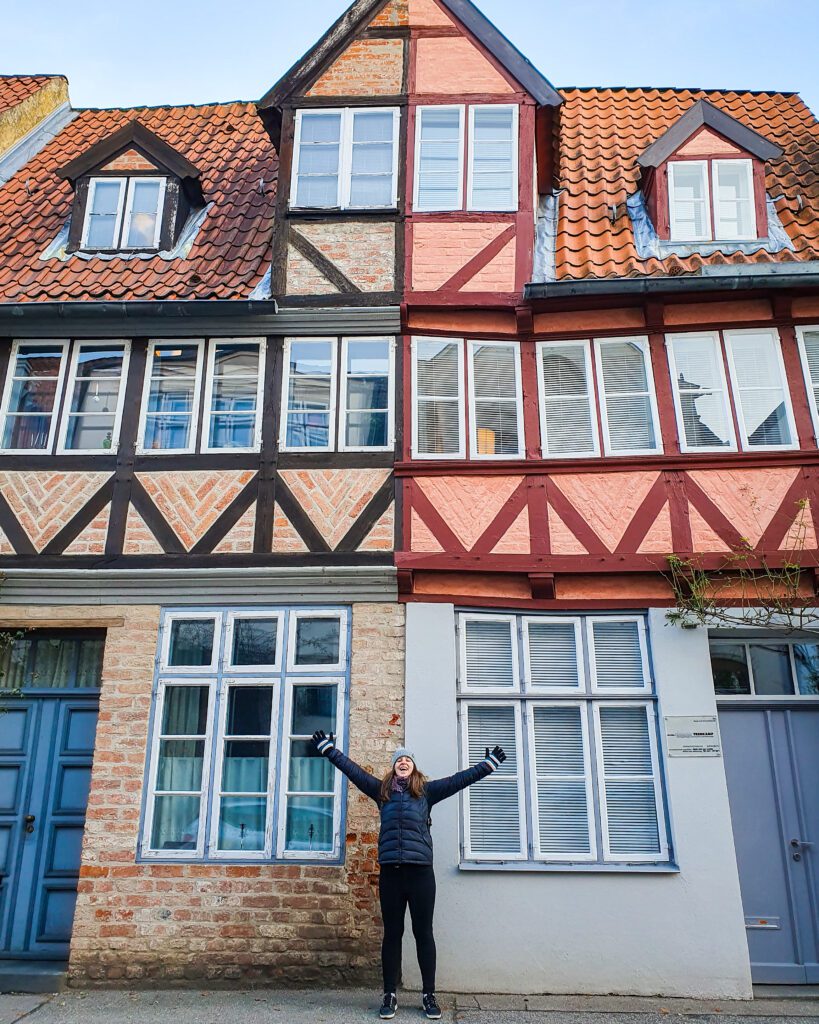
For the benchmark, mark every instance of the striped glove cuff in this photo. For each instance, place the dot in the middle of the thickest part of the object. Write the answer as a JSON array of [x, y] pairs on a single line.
[[492, 761], [325, 746], [495, 757]]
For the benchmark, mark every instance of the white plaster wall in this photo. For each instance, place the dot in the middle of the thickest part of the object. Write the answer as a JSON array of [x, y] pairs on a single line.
[[562, 932]]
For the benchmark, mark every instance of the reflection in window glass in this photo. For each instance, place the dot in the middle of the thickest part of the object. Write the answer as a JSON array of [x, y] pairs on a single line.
[[191, 642], [703, 404], [102, 223], [255, 641], [41, 659], [145, 206], [730, 668], [762, 396], [32, 398], [771, 665], [806, 658], [172, 386], [367, 384], [309, 819], [92, 410], [319, 159], [317, 641], [233, 405], [309, 393]]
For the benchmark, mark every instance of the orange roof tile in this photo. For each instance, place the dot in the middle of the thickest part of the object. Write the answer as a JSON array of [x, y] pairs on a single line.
[[602, 132], [15, 88], [230, 254]]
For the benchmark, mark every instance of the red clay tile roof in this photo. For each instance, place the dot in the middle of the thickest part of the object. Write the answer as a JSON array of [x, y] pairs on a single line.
[[604, 131], [231, 253], [15, 88]]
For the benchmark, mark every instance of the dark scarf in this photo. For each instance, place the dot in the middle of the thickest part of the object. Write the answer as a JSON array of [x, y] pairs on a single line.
[[399, 785]]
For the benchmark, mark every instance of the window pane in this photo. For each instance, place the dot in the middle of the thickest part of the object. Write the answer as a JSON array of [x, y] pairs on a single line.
[[245, 766], [367, 430], [762, 395], [191, 642], [490, 647], [701, 392], [174, 360], [309, 823], [176, 823], [242, 823], [234, 395], [494, 807], [166, 432], [255, 641], [180, 765], [734, 199], [617, 654], [438, 377], [439, 159], [317, 641], [771, 667], [229, 430], [26, 432], [100, 361], [368, 357], [308, 430], [90, 433], [371, 190], [318, 160], [373, 126], [553, 654], [630, 795], [249, 711], [562, 793], [236, 360], [95, 396], [38, 361], [89, 665], [496, 425], [367, 392], [567, 406], [806, 657], [185, 711], [320, 128], [171, 395], [439, 427], [730, 668], [493, 159], [309, 771], [688, 202], [102, 214], [629, 410], [145, 202], [314, 707]]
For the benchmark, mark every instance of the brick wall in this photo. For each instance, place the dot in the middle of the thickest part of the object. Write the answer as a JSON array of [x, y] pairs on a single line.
[[364, 252], [183, 923], [368, 67]]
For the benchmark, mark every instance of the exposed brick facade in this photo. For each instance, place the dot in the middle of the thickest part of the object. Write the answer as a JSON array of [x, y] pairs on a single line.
[[368, 67], [364, 252], [44, 502], [178, 923], [192, 502], [334, 498]]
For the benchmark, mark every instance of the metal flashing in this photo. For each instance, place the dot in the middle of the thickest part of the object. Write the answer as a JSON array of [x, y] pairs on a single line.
[[759, 276]]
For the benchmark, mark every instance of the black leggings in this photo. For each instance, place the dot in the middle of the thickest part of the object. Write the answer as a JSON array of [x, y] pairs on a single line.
[[400, 885]]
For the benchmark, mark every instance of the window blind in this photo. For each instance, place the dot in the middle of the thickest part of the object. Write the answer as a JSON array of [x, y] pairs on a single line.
[[617, 654], [494, 805], [438, 397], [497, 402], [567, 413], [699, 384], [810, 344], [439, 159], [493, 158], [553, 649], [627, 396], [759, 386], [490, 653]]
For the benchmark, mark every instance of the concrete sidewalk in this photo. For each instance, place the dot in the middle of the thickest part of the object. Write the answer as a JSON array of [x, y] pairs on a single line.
[[263, 1006]]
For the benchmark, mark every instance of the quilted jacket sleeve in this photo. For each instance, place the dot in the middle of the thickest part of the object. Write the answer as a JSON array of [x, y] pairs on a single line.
[[368, 784], [441, 789]]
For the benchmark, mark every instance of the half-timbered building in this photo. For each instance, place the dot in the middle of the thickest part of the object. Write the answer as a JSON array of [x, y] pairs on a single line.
[[385, 403]]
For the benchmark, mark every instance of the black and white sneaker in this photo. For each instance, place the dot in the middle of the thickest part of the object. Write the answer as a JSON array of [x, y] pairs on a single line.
[[431, 1007], [389, 1006]]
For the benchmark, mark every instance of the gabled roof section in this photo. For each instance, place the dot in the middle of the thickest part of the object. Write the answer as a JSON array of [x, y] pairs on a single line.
[[131, 134], [361, 12], [705, 114]]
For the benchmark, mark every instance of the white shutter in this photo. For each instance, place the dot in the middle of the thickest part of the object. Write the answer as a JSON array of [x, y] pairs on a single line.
[[618, 657], [809, 351], [494, 808], [437, 374], [496, 404], [628, 780], [553, 654], [563, 810], [567, 415], [489, 653], [439, 154], [493, 163], [630, 421], [700, 393], [762, 399]]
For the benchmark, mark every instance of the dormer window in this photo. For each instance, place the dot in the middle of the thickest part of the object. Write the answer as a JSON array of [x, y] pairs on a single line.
[[124, 213], [711, 200]]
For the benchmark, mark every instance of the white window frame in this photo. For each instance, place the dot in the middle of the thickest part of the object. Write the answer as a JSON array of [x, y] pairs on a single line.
[[537, 853], [165, 643], [216, 794], [316, 613], [590, 396], [651, 722], [530, 688], [199, 344], [284, 408], [58, 393], [783, 380], [763, 698], [146, 850], [345, 156], [672, 367], [463, 681], [89, 205], [648, 682], [207, 414], [461, 453], [719, 234], [284, 766], [69, 391], [464, 707], [471, 346], [419, 112], [641, 341], [809, 384], [129, 203], [470, 168], [281, 641], [342, 419], [672, 209]]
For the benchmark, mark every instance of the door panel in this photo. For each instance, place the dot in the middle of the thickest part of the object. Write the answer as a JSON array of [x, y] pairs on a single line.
[[19, 724]]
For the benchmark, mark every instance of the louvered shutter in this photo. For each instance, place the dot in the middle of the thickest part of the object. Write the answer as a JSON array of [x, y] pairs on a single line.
[[497, 405], [494, 806], [564, 825], [567, 412], [810, 360], [700, 392], [439, 426], [630, 414], [489, 654], [553, 649], [439, 159], [763, 405], [493, 179], [628, 782], [618, 658]]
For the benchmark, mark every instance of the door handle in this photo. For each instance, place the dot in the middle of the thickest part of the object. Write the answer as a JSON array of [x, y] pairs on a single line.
[[797, 845], [28, 821]]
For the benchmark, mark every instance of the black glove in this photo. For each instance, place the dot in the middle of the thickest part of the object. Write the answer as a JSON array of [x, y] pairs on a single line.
[[323, 743], [496, 757]]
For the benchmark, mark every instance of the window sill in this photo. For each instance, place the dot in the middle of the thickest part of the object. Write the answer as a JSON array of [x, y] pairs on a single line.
[[537, 867]]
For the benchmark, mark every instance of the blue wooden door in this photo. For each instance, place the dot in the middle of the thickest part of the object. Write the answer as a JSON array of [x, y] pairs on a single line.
[[46, 750]]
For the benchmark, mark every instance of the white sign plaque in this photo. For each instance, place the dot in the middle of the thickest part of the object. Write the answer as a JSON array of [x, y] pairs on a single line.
[[692, 737]]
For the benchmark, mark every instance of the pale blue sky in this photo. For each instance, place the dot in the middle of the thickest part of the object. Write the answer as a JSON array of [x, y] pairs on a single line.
[[179, 51]]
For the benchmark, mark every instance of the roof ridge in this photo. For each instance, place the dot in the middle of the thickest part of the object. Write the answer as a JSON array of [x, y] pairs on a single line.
[[676, 88], [36, 74], [166, 106]]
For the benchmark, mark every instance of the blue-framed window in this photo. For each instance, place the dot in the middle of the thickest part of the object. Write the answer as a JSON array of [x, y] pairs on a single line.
[[52, 660], [232, 774], [572, 701]]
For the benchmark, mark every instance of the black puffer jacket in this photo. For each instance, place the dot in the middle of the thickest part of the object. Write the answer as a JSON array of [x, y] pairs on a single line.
[[405, 837]]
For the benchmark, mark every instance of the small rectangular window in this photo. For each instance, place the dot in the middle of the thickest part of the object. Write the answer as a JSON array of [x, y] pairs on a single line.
[[103, 213], [630, 420], [317, 641], [689, 201], [439, 155], [95, 393], [700, 393], [254, 642], [309, 395], [760, 389], [190, 642], [170, 402], [143, 213], [233, 395], [366, 387], [734, 208], [567, 412], [438, 424], [346, 159], [31, 397], [496, 403], [493, 150]]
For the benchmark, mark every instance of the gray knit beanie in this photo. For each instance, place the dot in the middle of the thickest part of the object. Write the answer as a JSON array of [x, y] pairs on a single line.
[[403, 752]]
